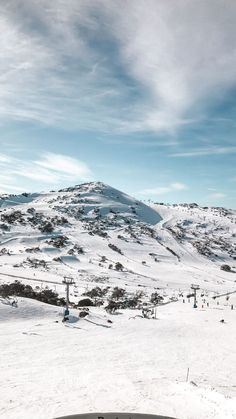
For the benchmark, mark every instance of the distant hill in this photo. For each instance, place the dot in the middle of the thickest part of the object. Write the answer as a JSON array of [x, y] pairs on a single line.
[[96, 233]]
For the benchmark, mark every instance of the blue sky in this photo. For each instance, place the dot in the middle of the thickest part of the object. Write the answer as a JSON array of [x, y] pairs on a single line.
[[139, 94]]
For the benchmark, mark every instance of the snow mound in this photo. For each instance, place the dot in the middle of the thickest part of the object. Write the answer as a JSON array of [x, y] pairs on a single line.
[[26, 309], [12, 200], [104, 198]]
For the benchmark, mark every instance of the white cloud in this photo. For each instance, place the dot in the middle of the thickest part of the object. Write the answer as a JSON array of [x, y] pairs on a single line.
[[8, 189], [65, 165], [49, 170], [4, 158], [183, 55], [56, 69], [217, 195], [178, 186], [205, 152], [161, 190]]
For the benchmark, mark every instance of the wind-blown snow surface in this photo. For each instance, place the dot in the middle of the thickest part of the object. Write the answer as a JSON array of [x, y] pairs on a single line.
[[132, 364], [48, 369]]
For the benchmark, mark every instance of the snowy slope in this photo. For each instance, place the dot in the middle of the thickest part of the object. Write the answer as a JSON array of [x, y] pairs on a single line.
[[85, 230], [7, 200], [211, 231], [131, 364], [134, 364]]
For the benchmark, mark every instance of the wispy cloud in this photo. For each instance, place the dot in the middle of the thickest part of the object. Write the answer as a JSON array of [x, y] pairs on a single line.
[[49, 72], [217, 195], [64, 165], [165, 51], [90, 65], [5, 159], [161, 190], [205, 152], [49, 170]]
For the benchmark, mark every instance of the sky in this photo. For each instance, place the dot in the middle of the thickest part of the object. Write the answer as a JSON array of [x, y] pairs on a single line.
[[138, 94]]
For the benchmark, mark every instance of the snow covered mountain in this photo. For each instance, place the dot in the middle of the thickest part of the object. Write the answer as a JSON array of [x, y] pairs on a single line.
[[95, 233], [211, 231], [103, 238]]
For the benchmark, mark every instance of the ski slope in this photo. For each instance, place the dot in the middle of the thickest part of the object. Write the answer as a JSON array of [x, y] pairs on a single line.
[[50, 369], [131, 364]]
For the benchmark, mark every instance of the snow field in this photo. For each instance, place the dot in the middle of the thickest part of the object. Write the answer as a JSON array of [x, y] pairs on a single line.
[[132, 364]]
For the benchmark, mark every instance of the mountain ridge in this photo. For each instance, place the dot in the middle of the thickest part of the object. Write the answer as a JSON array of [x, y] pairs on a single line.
[[99, 234]]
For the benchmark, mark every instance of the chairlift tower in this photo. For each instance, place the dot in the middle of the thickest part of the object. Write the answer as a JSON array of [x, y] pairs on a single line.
[[195, 288], [68, 282]]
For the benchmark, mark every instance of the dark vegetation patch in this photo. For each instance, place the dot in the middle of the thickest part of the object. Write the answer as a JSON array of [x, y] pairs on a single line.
[[21, 290]]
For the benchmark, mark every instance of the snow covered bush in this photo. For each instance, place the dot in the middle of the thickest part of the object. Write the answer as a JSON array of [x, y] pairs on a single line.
[[86, 302], [4, 251], [36, 263], [32, 249], [13, 217], [119, 266], [59, 241], [112, 306], [96, 292], [76, 249], [115, 248], [118, 293], [21, 290], [226, 268], [46, 227], [156, 298], [83, 313], [4, 227]]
